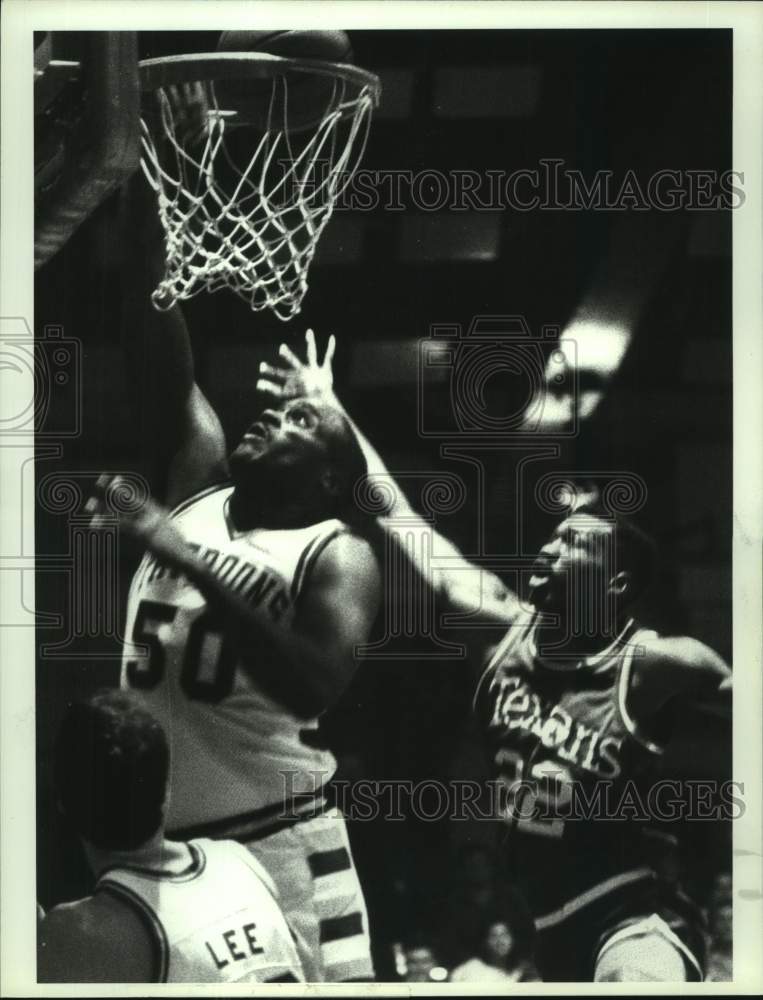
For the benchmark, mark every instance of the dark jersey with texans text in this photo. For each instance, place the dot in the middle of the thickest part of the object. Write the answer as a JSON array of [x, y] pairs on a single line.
[[575, 786]]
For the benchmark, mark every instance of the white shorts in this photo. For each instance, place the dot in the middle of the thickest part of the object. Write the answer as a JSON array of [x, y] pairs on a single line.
[[311, 864], [646, 950]]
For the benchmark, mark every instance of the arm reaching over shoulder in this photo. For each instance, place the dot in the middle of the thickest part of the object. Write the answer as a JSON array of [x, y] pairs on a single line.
[[461, 587], [307, 668]]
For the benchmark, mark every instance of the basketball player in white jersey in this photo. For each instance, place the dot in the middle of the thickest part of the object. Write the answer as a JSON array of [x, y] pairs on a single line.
[[576, 697], [242, 628], [162, 911]]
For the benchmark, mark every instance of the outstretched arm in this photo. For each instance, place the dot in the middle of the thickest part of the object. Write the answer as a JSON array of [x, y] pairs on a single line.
[[461, 587], [179, 431], [307, 668]]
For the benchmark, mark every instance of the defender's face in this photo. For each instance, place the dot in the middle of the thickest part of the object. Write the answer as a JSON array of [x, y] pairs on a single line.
[[576, 561], [290, 438]]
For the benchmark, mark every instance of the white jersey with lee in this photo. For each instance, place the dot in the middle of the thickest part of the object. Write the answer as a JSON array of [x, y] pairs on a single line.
[[216, 922], [235, 753]]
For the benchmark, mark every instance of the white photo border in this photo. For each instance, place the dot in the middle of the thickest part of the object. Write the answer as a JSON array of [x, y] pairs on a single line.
[[17, 644]]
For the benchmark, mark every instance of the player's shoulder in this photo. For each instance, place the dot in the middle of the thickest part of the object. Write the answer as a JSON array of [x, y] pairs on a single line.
[[216, 493], [346, 543], [340, 568], [345, 552], [234, 852], [66, 919], [518, 631], [667, 665], [681, 651], [95, 939], [504, 656]]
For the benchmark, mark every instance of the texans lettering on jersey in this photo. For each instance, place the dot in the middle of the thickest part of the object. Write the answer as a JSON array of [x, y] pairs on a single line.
[[234, 751], [559, 740], [518, 707]]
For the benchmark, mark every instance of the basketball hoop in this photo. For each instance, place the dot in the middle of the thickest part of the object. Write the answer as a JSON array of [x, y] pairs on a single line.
[[245, 195]]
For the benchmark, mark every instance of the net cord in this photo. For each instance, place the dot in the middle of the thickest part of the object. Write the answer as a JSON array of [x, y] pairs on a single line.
[[254, 227]]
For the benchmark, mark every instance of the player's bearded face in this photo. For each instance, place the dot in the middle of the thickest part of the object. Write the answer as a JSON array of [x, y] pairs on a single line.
[[283, 446]]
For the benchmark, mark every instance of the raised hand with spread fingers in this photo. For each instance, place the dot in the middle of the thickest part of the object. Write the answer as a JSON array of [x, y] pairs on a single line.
[[294, 378]]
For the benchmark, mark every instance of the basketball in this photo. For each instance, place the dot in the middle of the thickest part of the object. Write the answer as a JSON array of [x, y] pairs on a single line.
[[307, 94]]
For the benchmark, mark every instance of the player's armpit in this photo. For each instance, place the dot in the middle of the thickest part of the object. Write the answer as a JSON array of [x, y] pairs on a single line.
[[94, 941]]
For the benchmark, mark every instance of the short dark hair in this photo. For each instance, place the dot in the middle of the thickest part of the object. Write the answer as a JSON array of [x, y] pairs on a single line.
[[636, 550], [112, 764]]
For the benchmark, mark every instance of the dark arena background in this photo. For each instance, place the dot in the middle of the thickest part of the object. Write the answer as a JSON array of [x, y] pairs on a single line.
[[404, 253]]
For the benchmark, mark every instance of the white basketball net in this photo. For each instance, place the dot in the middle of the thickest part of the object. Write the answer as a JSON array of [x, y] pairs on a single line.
[[250, 222]]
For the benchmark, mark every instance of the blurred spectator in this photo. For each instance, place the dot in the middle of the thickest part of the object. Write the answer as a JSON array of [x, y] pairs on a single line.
[[475, 893], [421, 964], [719, 958], [479, 896], [498, 960]]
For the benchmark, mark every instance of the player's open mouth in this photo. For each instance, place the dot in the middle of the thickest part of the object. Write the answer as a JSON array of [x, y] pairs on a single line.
[[542, 566], [541, 572], [253, 442], [257, 432]]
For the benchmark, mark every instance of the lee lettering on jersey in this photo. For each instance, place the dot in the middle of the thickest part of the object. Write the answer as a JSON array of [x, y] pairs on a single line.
[[255, 584], [234, 945], [517, 707]]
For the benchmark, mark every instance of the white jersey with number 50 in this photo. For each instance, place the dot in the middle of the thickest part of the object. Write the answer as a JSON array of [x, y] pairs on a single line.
[[236, 753]]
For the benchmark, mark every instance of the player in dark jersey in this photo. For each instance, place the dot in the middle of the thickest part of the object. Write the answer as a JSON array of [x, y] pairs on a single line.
[[577, 704], [576, 724]]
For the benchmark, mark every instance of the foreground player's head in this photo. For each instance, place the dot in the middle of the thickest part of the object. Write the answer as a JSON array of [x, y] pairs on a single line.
[[298, 464], [594, 564], [112, 763]]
